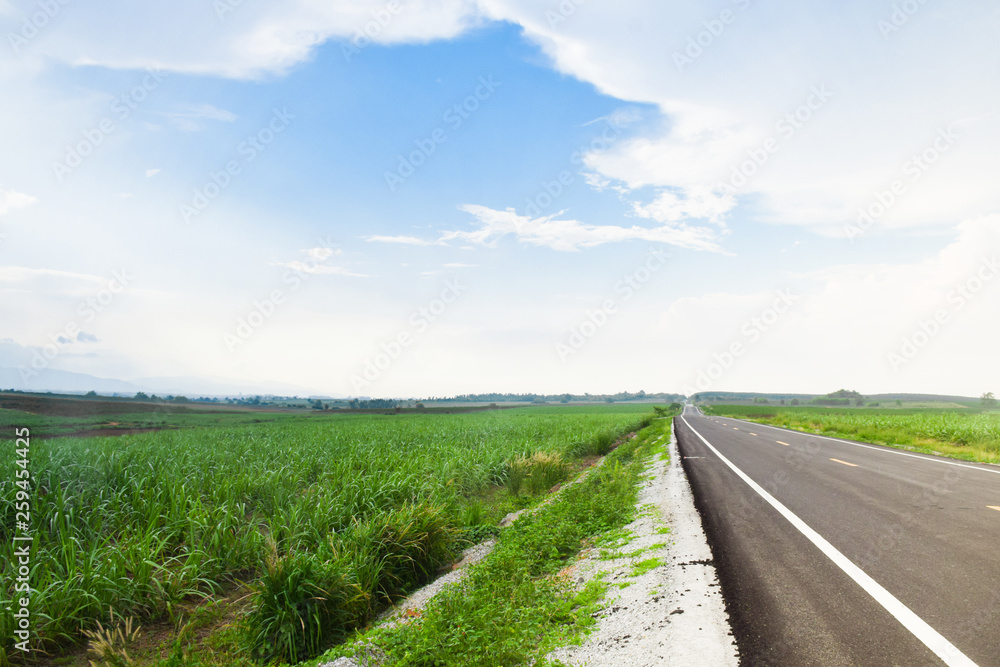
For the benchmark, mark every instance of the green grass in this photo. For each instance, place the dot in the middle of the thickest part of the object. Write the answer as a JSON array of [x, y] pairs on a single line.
[[328, 518], [642, 567], [961, 434], [517, 605]]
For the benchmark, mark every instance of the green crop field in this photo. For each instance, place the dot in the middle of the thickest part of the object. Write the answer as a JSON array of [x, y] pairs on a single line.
[[324, 519], [961, 433]]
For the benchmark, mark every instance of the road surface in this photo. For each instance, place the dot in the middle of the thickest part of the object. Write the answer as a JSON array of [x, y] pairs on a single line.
[[839, 553]]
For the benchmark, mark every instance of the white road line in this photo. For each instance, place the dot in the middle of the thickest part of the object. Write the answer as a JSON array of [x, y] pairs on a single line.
[[930, 637], [888, 450]]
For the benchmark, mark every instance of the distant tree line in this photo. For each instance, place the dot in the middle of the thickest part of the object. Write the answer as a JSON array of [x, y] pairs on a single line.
[[557, 398]]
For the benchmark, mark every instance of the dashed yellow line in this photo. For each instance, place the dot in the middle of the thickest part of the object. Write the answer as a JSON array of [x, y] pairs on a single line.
[[853, 465], [782, 443], [753, 434], [994, 507]]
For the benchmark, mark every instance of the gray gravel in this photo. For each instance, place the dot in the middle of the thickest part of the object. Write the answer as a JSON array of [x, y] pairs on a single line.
[[421, 597], [673, 614]]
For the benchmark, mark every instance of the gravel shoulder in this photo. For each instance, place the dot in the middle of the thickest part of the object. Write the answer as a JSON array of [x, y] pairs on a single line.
[[667, 611]]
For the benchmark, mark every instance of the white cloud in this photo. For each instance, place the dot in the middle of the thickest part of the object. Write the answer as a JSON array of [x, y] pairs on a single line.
[[323, 253], [404, 240], [890, 97], [321, 269], [564, 235], [316, 263], [251, 40], [20, 274], [187, 119], [11, 199], [152, 172], [890, 94]]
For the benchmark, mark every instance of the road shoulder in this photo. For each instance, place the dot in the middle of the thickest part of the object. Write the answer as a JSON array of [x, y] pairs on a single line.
[[664, 604]]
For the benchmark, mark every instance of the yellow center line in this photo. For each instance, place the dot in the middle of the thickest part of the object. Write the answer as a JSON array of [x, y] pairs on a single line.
[[753, 434], [994, 507], [735, 429], [853, 465]]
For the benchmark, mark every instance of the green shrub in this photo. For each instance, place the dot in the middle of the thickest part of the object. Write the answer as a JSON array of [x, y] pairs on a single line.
[[300, 602]]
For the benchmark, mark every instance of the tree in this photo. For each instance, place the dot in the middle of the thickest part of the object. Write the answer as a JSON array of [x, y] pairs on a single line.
[[795, 401], [988, 400], [91, 394], [141, 396]]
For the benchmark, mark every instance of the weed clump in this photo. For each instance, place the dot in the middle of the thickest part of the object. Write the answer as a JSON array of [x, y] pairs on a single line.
[[535, 474], [305, 600]]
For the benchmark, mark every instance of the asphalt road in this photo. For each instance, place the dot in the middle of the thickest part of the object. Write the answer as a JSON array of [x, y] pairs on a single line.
[[839, 553]]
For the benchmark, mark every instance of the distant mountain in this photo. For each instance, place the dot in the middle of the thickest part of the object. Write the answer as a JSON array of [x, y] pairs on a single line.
[[63, 381], [195, 386], [80, 383]]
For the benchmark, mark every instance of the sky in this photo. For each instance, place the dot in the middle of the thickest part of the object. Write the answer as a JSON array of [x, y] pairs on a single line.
[[428, 198]]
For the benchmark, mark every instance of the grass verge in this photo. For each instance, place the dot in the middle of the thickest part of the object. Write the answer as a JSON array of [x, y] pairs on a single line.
[[959, 435]]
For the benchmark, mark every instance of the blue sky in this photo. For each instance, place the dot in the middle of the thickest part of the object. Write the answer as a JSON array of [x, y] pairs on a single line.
[[320, 250]]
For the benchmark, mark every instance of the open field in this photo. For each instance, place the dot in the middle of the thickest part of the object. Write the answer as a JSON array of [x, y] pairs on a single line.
[[327, 518], [960, 433]]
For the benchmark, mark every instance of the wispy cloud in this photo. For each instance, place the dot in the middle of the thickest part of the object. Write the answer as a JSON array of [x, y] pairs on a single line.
[[187, 118], [18, 274], [152, 172], [405, 240], [563, 235], [316, 263]]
